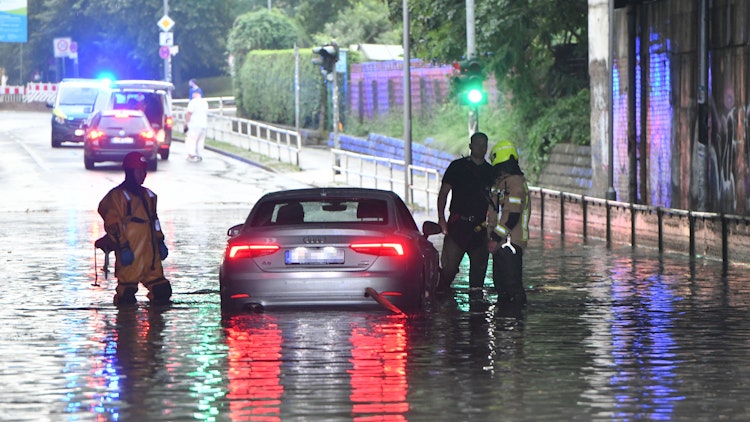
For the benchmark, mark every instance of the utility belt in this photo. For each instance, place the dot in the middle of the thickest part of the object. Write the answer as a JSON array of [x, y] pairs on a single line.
[[469, 218], [478, 223]]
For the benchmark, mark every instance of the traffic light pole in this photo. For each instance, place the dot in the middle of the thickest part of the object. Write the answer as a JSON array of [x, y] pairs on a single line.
[[473, 120], [470, 54]]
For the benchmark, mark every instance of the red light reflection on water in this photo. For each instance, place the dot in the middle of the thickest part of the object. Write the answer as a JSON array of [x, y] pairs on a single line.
[[254, 372], [378, 376]]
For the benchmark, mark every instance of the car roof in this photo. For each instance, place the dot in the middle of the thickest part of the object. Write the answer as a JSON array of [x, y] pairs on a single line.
[[337, 193], [85, 82], [122, 112], [142, 84]]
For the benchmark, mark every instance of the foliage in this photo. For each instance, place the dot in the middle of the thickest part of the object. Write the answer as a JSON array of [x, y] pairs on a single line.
[[561, 123], [263, 30], [365, 22], [265, 87], [312, 15], [121, 36], [535, 48]]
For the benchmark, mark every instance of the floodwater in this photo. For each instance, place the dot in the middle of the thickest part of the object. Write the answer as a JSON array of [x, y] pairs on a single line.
[[609, 334]]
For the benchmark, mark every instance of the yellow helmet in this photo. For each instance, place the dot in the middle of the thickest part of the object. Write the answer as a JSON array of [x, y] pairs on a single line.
[[502, 151]]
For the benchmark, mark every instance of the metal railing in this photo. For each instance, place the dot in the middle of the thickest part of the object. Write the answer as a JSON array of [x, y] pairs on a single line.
[[387, 173], [695, 233], [278, 143], [218, 105]]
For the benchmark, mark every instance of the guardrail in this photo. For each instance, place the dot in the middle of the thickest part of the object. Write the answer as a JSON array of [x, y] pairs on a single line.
[[274, 142], [386, 173], [219, 105], [695, 233]]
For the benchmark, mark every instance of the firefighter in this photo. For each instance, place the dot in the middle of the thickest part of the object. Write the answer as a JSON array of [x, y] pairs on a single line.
[[134, 233], [508, 223]]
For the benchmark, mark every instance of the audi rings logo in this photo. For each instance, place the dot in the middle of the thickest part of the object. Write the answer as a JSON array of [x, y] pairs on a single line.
[[314, 240]]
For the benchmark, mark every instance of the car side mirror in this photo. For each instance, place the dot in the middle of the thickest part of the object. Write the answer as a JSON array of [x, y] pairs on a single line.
[[430, 227], [234, 230]]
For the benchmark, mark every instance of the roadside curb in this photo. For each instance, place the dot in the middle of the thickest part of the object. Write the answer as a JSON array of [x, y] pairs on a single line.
[[234, 156]]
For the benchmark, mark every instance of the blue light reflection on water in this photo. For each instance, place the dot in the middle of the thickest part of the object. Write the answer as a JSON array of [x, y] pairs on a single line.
[[643, 300]]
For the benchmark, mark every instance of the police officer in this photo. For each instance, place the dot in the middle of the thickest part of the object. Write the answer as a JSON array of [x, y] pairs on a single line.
[[468, 180], [132, 226], [508, 223]]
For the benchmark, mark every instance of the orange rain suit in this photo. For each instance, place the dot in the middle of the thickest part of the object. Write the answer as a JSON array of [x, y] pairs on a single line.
[[131, 220]]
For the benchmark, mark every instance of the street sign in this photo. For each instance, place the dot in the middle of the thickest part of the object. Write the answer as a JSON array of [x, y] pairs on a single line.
[[165, 23], [62, 47], [166, 38], [164, 52]]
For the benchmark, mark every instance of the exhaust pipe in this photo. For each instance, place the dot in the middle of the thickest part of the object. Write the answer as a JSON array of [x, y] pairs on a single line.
[[254, 308], [369, 291]]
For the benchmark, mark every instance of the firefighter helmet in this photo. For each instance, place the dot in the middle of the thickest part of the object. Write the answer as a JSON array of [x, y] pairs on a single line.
[[502, 151]]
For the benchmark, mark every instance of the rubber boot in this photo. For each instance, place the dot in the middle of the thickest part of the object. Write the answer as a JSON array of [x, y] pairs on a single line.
[[126, 298], [160, 294]]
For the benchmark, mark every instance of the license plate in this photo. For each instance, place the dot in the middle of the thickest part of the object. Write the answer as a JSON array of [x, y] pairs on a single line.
[[302, 255], [119, 140]]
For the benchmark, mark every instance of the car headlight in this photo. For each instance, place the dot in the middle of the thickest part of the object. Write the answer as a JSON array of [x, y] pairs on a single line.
[[60, 120]]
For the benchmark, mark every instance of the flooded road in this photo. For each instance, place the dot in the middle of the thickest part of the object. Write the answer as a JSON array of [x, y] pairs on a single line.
[[609, 334]]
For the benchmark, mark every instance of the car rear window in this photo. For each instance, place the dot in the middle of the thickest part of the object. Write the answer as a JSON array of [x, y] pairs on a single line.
[[127, 123], [369, 211], [149, 102]]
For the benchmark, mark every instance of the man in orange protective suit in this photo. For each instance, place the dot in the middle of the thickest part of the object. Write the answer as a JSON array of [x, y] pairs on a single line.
[[133, 230]]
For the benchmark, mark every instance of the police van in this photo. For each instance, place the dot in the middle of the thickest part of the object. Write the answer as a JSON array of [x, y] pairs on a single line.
[[76, 100]]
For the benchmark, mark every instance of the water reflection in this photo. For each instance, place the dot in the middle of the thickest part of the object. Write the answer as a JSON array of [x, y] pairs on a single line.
[[131, 363], [254, 368], [378, 374]]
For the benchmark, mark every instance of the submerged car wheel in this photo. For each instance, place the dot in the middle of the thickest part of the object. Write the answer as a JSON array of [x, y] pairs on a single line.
[[164, 154], [153, 164], [88, 163], [56, 143]]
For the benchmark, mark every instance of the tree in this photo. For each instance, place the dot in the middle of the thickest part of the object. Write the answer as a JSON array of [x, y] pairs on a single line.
[[263, 30], [122, 35], [365, 21], [536, 49]]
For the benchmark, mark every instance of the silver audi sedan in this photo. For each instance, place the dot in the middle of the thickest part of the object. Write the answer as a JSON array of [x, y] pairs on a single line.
[[334, 247]]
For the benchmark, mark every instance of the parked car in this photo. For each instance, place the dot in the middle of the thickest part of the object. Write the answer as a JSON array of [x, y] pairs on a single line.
[[76, 100], [154, 98], [112, 134], [328, 247]]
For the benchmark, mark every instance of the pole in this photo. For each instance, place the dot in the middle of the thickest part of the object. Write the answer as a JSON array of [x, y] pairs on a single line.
[[296, 88], [470, 54], [611, 193], [407, 104], [700, 155], [168, 60], [335, 109]]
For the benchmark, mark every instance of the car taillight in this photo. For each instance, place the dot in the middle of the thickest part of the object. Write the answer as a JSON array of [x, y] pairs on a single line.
[[379, 249], [95, 135], [168, 123], [147, 135], [250, 250]]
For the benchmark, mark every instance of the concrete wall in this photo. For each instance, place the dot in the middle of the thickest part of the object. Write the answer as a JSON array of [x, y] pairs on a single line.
[[680, 170]]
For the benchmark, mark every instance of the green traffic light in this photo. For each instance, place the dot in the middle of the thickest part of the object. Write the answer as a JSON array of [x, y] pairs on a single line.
[[475, 96]]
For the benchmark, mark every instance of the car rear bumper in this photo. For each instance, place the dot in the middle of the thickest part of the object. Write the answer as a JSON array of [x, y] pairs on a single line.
[[117, 155], [324, 289]]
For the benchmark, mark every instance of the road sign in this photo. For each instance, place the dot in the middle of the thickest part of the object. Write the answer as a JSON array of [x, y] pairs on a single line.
[[164, 52], [165, 23], [166, 38], [62, 47]]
